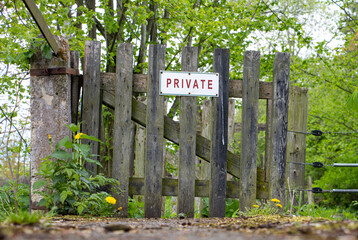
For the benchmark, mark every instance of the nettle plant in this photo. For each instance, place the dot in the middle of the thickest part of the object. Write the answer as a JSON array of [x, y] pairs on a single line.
[[66, 186]]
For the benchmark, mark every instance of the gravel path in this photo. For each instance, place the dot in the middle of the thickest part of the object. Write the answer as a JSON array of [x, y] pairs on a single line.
[[184, 229]]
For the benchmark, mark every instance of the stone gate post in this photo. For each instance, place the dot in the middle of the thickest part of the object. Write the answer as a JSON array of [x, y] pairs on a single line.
[[50, 106]]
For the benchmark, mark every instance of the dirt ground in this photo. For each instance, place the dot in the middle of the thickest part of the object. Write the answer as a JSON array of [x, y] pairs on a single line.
[[258, 227]]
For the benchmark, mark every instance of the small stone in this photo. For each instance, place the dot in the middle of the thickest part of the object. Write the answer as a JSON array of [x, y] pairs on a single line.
[[117, 227]]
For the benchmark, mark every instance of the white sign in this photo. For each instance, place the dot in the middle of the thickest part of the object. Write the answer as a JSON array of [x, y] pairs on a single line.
[[189, 84]]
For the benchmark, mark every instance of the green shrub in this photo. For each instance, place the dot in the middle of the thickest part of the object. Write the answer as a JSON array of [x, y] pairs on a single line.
[[67, 187]]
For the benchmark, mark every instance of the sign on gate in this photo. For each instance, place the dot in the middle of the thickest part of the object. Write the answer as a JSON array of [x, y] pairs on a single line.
[[189, 84]]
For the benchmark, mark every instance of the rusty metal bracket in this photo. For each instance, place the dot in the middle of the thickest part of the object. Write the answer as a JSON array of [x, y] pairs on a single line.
[[53, 71]]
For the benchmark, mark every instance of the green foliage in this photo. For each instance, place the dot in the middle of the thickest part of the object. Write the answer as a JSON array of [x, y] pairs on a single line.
[[267, 208], [68, 188], [335, 213], [168, 211], [135, 208], [8, 199], [24, 218], [231, 207]]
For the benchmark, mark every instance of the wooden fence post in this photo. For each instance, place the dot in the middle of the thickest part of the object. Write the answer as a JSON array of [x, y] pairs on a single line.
[[187, 141], [123, 131], [91, 110], [219, 136], [155, 133], [281, 80], [296, 142], [250, 115]]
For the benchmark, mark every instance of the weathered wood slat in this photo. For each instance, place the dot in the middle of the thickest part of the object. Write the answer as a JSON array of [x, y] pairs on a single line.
[[268, 139], [122, 147], [231, 124], [250, 115], [171, 132], [140, 85], [219, 136], [139, 151], [155, 133], [75, 87], [281, 80], [170, 188], [206, 129], [296, 143], [92, 97], [187, 141], [236, 86]]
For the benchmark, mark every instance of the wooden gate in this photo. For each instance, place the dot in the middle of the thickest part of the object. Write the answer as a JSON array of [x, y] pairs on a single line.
[[116, 91]]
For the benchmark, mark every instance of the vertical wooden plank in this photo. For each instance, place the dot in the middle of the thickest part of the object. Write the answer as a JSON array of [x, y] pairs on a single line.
[[139, 154], [250, 115], [187, 140], [309, 193], [281, 80], [91, 97], [155, 133], [219, 136], [231, 130], [165, 107], [108, 154], [231, 124], [206, 131], [296, 143], [123, 129], [139, 151], [268, 139], [75, 86]]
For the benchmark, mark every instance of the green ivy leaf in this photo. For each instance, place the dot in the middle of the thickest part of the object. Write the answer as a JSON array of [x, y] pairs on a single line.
[[93, 161], [352, 102], [80, 209], [63, 196], [85, 136], [73, 127], [65, 142], [61, 154]]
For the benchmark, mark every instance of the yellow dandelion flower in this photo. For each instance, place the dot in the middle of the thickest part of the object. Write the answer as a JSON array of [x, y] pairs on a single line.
[[279, 205], [49, 137], [111, 200], [78, 135], [275, 200], [256, 206], [120, 208]]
